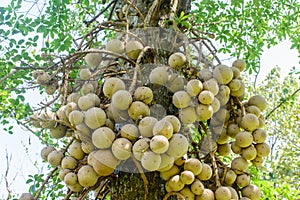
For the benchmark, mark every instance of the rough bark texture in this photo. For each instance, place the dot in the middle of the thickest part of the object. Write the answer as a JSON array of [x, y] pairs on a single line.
[[127, 185]]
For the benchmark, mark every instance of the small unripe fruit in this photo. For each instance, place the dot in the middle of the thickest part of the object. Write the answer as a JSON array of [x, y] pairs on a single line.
[[194, 165], [177, 60], [85, 74], [223, 74], [222, 193], [146, 126], [133, 49], [206, 172], [163, 127], [239, 64], [121, 99], [121, 148], [194, 87], [93, 59], [68, 162], [112, 85], [45, 152], [178, 140], [143, 94], [54, 158], [70, 179], [139, 147], [87, 177], [159, 144]]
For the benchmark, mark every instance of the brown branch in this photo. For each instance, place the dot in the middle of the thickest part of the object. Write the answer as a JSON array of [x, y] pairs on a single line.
[[150, 13], [8, 160], [136, 9], [44, 183], [146, 183], [282, 102], [68, 195], [215, 167]]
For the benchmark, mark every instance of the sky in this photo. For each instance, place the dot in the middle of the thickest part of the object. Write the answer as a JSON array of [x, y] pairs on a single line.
[[24, 148]]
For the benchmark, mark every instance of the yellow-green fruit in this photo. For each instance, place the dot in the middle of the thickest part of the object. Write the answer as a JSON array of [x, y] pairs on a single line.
[[50, 89], [177, 60], [194, 165], [181, 160], [234, 194], [174, 121], [138, 110], [87, 146], [244, 139], [159, 76], [44, 78], [216, 105], [103, 137], [95, 117], [146, 126], [236, 72], [222, 193], [159, 144], [194, 87], [45, 152], [76, 117], [166, 162], [240, 92], [84, 103], [236, 148], [118, 116], [235, 84], [206, 97], [224, 149], [121, 148], [26, 196], [263, 149], [104, 162], [249, 153], [70, 178], [68, 162], [85, 74], [205, 74], [243, 180], [151, 161], [244, 198], [223, 137], [232, 130], [130, 132], [197, 187], [62, 173], [166, 175], [187, 177], [175, 83], [111, 85], [87, 177], [93, 59], [254, 110], [230, 177], [204, 112], [258, 101], [54, 158], [121, 99], [70, 107], [206, 172], [223, 74], [252, 192], [223, 95], [239, 165], [258, 161], [178, 140], [206, 195], [115, 46], [73, 97], [143, 94], [163, 127], [249, 122], [187, 193], [259, 135], [188, 115], [139, 147], [87, 88], [133, 49], [175, 183], [75, 150], [76, 188], [239, 64], [211, 85]]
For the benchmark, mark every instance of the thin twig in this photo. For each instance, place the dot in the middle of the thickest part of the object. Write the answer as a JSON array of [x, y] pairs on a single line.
[[136, 8], [150, 13], [146, 183], [44, 183]]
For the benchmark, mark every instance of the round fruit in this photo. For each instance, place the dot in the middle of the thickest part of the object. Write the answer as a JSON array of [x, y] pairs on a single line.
[[87, 88], [254, 110], [206, 97], [258, 161], [249, 122], [224, 149], [222, 193], [84, 103], [73, 97], [166, 175], [121, 99], [143, 94], [45, 152], [239, 64], [187, 193], [85, 74], [240, 92], [206, 172], [243, 180], [188, 115], [249, 153], [206, 195], [50, 89], [181, 160], [244, 139], [115, 46], [121, 148], [263, 149], [235, 148], [26, 196], [204, 112], [151, 161], [159, 144], [187, 177], [175, 183], [54, 158], [234, 194], [178, 140], [236, 72], [235, 84], [174, 121], [87, 177], [104, 162], [216, 105], [139, 147], [223, 74], [95, 117], [44, 78], [211, 85], [62, 173], [177, 60], [138, 110], [230, 177], [93, 59], [197, 187], [239, 165], [194, 165], [133, 49], [103, 137], [175, 83], [194, 87], [205, 74], [166, 163], [232, 130], [163, 127], [76, 188], [112, 85], [75, 150], [70, 178], [68, 162], [130, 132], [76, 117], [258, 101], [146, 126], [252, 192], [159, 76]]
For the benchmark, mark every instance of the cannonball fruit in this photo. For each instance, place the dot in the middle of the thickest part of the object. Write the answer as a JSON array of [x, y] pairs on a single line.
[[151, 161], [133, 49], [177, 60], [93, 59]]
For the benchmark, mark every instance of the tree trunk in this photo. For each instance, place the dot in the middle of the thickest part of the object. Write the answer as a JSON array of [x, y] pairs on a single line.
[[129, 183]]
